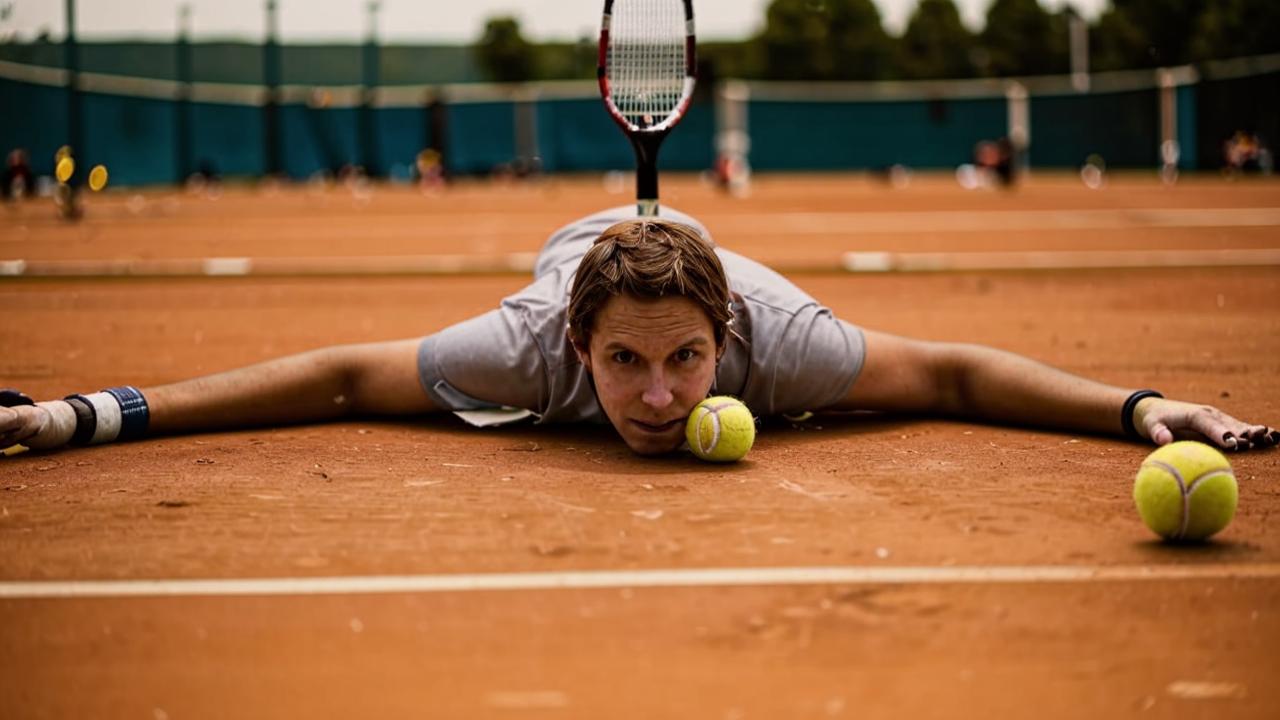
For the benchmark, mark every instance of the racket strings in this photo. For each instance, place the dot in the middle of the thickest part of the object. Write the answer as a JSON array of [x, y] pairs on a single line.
[[646, 60]]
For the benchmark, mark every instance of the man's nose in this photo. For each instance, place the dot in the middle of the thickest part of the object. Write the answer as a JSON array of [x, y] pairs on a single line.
[[657, 392]]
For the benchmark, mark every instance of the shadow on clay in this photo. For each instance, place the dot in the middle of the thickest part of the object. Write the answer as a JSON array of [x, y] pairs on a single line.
[[823, 427], [1203, 551], [598, 447]]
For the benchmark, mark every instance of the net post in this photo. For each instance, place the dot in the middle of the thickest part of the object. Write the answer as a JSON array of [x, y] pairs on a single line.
[[1078, 30], [525, 107], [1019, 123], [1170, 151], [75, 104], [370, 66], [271, 109], [182, 132], [733, 139]]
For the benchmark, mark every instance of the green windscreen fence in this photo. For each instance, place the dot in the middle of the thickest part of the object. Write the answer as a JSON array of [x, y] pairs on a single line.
[[318, 139], [481, 136], [401, 134], [1225, 105], [864, 134], [133, 136], [577, 134], [34, 117], [1068, 128], [226, 139], [135, 125]]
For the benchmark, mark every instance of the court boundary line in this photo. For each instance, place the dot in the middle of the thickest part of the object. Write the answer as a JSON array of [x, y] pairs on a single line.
[[523, 264], [629, 579]]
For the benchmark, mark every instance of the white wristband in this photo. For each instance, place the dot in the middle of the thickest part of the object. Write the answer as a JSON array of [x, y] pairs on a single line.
[[108, 410], [62, 425]]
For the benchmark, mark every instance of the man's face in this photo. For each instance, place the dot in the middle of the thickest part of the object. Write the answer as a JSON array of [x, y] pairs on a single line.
[[652, 360]]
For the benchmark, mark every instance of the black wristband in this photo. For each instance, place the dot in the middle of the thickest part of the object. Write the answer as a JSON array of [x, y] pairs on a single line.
[[134, 413], [86, 419], [1131, 404]]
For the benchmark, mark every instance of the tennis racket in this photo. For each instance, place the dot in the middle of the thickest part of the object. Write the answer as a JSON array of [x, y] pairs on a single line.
[[646, 70]]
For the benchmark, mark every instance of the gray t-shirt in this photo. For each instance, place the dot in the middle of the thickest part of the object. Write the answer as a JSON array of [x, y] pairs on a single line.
[[792, 354]]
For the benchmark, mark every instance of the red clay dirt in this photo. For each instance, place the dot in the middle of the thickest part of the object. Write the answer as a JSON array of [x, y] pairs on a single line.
[[433, 496]]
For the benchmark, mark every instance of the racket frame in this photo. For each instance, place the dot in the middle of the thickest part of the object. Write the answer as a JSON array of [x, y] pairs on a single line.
[[646, 141]]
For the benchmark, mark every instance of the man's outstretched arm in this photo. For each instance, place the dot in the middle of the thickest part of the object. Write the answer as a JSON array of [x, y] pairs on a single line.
[[961, 380], [370, 379]]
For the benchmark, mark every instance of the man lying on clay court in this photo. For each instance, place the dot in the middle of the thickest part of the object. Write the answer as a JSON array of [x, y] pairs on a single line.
[[633, 321]]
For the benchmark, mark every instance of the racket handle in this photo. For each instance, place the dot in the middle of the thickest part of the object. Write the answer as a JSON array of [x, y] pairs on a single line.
[[647, 176]]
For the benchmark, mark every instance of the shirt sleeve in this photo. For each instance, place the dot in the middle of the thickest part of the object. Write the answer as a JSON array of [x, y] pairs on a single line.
[[488, 361], [811, 366]]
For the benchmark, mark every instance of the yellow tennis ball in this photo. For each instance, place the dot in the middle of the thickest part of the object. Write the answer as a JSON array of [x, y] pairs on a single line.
[[65, 168], [720, 429], [98, 177], [1186, 491]]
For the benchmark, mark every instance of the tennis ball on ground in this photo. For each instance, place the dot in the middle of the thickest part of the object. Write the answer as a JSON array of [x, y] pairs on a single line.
[[1186, 491], [720, 429]]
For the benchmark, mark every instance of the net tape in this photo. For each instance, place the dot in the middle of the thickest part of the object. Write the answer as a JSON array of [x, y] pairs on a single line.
[[646, 60]]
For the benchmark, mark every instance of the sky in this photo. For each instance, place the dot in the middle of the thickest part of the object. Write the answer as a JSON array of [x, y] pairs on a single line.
[[447, 21]]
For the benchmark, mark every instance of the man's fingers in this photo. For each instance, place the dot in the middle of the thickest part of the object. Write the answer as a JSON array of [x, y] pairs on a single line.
[[17, 425], [1217, 431], [1159, 433], [1260, 436], [9, 420]]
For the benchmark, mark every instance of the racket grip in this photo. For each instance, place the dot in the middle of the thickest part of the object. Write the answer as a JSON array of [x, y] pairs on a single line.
[[646, 191]]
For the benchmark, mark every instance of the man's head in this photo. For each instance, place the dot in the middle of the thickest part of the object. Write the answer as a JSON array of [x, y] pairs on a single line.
[[649, 316]]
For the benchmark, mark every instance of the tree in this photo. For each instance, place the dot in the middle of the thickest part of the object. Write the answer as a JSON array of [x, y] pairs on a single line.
[[503, 53], [823, 40], [1116, 43], [1230, 28], [1021, 38], [1152, 33], [936, 44]]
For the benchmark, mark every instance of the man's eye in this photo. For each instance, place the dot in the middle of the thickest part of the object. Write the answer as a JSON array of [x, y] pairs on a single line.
[[624, 357], [685, 355]]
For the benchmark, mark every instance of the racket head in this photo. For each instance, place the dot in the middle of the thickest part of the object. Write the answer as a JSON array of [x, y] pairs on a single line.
[[647, 63]]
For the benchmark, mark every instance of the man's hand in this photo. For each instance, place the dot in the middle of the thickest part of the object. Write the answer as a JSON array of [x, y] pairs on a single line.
[[1164, 421], [21, 424]]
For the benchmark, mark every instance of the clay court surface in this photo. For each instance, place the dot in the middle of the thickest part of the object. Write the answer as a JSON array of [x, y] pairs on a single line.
[[989, 571]]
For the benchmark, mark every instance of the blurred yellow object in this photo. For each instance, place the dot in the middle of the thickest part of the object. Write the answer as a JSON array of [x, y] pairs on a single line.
[[65, 168], [63, 152], [98, 177], [14, 450]]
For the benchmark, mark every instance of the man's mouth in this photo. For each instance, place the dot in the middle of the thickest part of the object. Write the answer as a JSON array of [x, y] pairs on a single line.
[[658, 428]]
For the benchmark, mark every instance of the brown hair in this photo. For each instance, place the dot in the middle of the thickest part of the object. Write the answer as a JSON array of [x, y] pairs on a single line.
[[649, 258]]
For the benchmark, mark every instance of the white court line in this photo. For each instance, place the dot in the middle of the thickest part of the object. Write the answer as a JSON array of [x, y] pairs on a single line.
[[604, 579], [522, 263], [1057, 260], [994, 221]]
